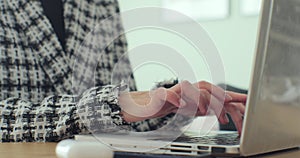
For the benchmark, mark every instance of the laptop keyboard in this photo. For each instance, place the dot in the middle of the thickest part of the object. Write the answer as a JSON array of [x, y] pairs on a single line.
[[219, 139]]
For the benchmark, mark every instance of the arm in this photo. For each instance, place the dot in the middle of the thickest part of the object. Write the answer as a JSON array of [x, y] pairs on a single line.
[[105, 109], [60, 117]]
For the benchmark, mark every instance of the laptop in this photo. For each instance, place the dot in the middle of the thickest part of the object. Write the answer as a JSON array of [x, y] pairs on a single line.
[[271, 121]]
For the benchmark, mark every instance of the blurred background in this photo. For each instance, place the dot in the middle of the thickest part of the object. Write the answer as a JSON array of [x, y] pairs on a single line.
[[231, 24]]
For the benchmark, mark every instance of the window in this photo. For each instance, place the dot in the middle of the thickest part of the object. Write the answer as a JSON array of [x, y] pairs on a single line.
[[196, 9]]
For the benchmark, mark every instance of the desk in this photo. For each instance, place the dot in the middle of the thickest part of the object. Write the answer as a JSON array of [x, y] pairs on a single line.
[[27, 150], [47, 150]]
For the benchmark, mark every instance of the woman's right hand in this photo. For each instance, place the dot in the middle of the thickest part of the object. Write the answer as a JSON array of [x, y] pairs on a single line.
[[188, 99]]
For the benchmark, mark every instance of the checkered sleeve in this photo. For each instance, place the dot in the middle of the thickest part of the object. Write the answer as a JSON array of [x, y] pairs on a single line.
[[61, 117]]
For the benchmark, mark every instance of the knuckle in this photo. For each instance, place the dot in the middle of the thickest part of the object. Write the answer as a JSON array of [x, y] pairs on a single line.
[[161, 89], [203, 82], [203, 112], [204, 93], [185, 83]]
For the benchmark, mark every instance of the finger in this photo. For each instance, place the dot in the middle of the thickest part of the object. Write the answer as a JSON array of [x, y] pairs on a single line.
[[223, 119], [191, 95], [236, 117], [218, 92], [166, 95], [237, 97], [215, 105], [175, 99], [239, 106], [204, 102]]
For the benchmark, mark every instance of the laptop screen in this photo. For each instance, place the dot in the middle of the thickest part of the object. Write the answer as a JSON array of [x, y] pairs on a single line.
[[283, 50], [274, 99]]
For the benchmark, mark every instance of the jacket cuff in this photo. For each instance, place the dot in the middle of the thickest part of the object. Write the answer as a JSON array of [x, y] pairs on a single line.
[[99, 110]]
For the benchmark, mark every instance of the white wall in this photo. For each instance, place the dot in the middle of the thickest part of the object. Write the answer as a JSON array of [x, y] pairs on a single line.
[[234, 37]]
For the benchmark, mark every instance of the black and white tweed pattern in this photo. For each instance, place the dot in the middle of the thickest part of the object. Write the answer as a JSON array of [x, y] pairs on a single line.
[[35, 71], [59, 117], [33, 63]]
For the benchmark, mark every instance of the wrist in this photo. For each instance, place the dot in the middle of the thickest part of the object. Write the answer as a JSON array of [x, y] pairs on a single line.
[[134, 106], [130, 118]]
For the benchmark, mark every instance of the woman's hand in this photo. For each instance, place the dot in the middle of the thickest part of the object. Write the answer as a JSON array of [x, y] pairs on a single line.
[[196, 99], [208, 97]]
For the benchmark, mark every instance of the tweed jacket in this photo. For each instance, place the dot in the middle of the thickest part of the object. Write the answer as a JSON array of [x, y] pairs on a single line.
[[47, 93]]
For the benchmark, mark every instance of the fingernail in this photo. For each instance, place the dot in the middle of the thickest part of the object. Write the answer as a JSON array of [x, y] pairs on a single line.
[[182, 103], [228, 97]]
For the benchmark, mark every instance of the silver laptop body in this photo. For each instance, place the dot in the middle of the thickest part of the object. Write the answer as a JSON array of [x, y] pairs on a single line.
[[273, 106], [272, 116]]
